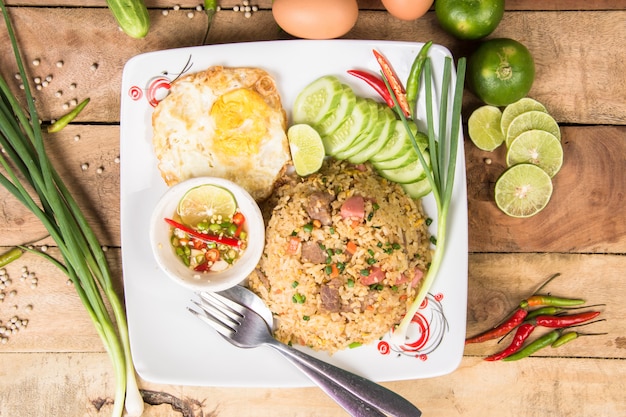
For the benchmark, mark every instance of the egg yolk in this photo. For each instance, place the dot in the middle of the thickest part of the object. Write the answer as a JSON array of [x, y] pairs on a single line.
[[240, 122]]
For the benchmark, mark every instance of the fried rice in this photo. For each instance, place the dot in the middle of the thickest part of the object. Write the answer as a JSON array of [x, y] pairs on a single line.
[[344, 256]]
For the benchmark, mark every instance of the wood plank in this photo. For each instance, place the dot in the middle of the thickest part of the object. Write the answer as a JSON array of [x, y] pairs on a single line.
[[496, 284], [81, 384], [586, 189], [567, 47], [363, 4]]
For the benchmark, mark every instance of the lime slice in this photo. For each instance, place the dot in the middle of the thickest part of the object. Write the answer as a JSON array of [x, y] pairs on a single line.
[[513, 110], [536, 147], [483, 127], [523, 190], [532, 120], [307, 149], [206, 202]]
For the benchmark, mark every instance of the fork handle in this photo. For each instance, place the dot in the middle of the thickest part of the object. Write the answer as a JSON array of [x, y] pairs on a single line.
[[368, 391], [355, 406]]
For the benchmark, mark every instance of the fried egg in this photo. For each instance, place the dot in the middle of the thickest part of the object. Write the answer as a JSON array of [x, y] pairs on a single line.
[[223, 122]]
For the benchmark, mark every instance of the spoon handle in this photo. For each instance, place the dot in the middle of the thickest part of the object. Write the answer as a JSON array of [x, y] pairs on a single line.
[[370, 392]]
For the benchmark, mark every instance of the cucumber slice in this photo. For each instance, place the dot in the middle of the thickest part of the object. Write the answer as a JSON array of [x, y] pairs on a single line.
[[417, 189], [399, 143], [407, 156], [339, 114], [375, 124], [349, 130], [379, 141], [317, 100], [412, 172]]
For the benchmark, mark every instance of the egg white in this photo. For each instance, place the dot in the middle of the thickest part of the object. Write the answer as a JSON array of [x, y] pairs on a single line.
[[189, 125]]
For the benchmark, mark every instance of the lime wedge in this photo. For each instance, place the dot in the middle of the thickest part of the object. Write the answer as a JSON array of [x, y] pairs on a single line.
[[307, 149], [532, 120], [206, 202], [536, 147], [513, 110], [523, 190], [483, 127]]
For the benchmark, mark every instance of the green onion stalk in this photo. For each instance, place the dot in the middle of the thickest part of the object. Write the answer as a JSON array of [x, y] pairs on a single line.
[[443, 154], [30, 177]]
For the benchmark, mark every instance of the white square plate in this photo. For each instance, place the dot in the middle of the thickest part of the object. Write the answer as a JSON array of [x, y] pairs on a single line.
[[171, 346]]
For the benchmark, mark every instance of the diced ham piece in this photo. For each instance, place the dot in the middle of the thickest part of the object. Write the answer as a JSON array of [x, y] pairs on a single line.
[[353, 207], [375, 276]]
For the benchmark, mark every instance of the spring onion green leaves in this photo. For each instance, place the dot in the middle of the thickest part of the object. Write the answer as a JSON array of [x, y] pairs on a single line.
[[27, 173], [443, 147]]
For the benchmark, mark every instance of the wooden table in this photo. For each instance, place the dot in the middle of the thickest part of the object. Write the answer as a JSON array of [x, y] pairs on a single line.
[[56, 365]]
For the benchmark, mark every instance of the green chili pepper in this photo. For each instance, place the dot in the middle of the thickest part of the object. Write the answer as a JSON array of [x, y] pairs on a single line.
[[549, 300], [413, 82], [534, 346], [65, 120], [210, 7], [564, 338], [9, 256]]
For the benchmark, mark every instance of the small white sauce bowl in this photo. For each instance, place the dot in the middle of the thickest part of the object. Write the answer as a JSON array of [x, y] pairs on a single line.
[[170, 263]]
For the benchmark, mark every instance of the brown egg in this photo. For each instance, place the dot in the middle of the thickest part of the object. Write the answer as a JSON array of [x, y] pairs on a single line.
[[407, 9], [316, 19]]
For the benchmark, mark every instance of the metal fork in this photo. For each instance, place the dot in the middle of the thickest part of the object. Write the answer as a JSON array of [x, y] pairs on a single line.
[[246, 329]]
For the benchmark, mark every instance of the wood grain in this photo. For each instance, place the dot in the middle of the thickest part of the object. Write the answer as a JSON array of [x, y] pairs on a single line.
[[56, 365], [536, 387], [559, 41]]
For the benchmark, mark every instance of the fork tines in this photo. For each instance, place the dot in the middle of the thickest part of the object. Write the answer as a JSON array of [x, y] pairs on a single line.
[[219, 312]]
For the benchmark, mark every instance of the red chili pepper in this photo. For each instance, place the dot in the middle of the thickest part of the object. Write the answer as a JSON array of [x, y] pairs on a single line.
[[555, 322], [375, 82], [394, 82], [203, 267], [205, 237], [516, 319], [522, 333], [239, 220], [548, 300]]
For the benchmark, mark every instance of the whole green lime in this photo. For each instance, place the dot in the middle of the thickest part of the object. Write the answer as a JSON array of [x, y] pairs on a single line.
[[500, 71], [469, 19]]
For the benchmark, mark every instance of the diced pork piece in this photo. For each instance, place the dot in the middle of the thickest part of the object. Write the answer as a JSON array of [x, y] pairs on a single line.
[[318, 207], [312, 252], [353, 207], [329, 292], [375, 276]]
